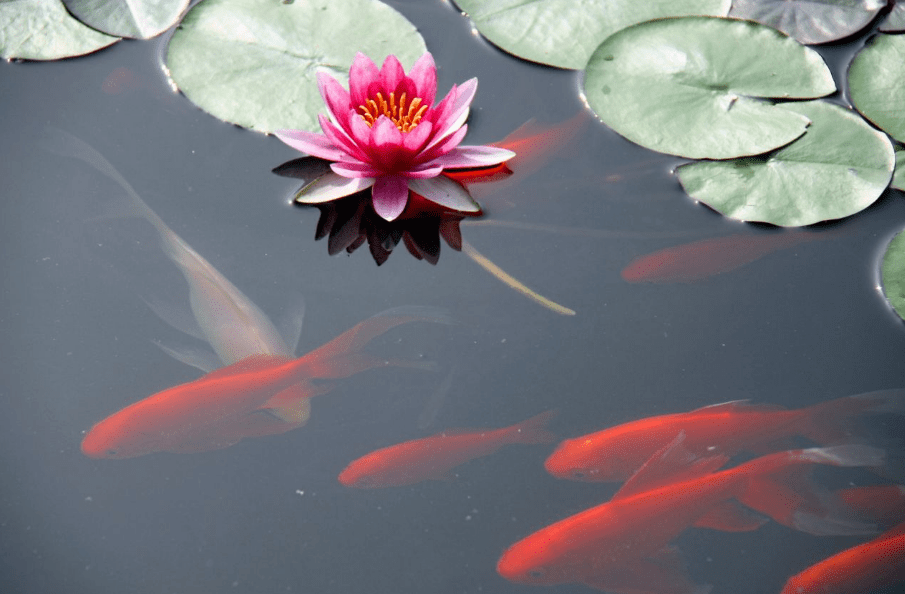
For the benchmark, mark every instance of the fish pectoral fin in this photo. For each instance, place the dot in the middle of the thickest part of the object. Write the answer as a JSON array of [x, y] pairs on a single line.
[[731, 516], [292, 405]]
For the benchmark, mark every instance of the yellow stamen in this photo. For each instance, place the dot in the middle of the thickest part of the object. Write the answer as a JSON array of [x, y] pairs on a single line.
[[405, 119]]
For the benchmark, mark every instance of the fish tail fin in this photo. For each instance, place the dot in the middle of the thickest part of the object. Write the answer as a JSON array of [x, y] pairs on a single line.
[[841, 420], [780, 486], [534, 430], [341, 357]]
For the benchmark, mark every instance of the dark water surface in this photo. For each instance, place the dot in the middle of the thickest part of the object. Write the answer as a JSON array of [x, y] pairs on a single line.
[[797, 327]]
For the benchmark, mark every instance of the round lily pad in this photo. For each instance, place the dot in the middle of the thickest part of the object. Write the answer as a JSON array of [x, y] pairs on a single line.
[[876, 83], [564, 33], [255, 63], [809, 21], [839, 167], [892, 274], [43, 30], [141, 19], [691, 86]]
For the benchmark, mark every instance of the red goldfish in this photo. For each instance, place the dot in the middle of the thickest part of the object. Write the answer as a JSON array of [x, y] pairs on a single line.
[[883, 504], [259, 395], [864, 568], [614, 454], [433, 457], [623, 545], [709, 257]]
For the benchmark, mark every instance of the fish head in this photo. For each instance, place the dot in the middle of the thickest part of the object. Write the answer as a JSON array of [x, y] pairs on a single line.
[[533, 560], [583, 459], [113, 438], [364, 473]]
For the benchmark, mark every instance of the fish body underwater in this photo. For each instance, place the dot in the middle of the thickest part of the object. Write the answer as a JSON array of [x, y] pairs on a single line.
[[870, 566], [623, 545], [615, 453], [432, 458]]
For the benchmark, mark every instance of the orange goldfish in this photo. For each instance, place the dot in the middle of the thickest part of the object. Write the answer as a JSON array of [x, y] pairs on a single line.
[[433, 457], [863, 568], [614, 454], [259, 395], [623, 546], [709, 257]]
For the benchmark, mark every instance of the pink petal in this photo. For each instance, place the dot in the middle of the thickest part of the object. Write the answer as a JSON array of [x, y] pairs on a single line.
[[425, 171], [424, 75], [441, 146], [445, 192], [385, 134], [331, 186], [354, 170], [459, 110], [316, 145], [361, 132], [390, 195], [362, 73], [473, 156], [341, 140], [414, 141], [335, 96], [391, 74]]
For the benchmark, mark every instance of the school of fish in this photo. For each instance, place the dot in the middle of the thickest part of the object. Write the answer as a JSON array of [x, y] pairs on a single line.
[[680, 471]]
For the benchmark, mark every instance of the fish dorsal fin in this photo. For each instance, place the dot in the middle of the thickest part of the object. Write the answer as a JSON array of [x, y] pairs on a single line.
[[253, 363], [672, 463], [738, 406]]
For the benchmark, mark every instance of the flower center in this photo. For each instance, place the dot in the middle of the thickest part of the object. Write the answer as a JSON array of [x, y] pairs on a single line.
[[406, 117]]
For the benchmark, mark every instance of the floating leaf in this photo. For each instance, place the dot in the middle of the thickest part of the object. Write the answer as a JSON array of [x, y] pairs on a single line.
[[688, 86], [898, 178], [254, 62], [564, 33], [841, 166], [895, 20], [893, 274], [128, 18], [43, 30], [809, 21], [876, 83]]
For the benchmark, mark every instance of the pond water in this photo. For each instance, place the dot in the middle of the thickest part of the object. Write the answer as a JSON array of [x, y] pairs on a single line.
[[797, 327]]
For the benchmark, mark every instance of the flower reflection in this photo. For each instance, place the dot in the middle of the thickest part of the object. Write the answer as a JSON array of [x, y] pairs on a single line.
[[385, 137]]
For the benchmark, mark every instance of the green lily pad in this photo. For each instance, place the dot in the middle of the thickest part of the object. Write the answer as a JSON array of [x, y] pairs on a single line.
[[892, 275], [809, 21], [841, 166], [895, 20], [564, 33], [876, 83], [254, 63], [898, 178], [43, 30], [689, 86], [141, 19]]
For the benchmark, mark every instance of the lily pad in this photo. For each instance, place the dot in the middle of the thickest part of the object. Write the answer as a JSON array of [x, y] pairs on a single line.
[[898, 178], [895, 20], [254, 62], [141, 19], [690, 86], [43, 30], [564, 33], [841, 166], [810, 21], [892, 275], [876, 83]]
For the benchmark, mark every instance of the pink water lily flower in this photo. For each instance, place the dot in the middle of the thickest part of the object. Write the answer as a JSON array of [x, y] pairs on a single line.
[[384, 133]]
